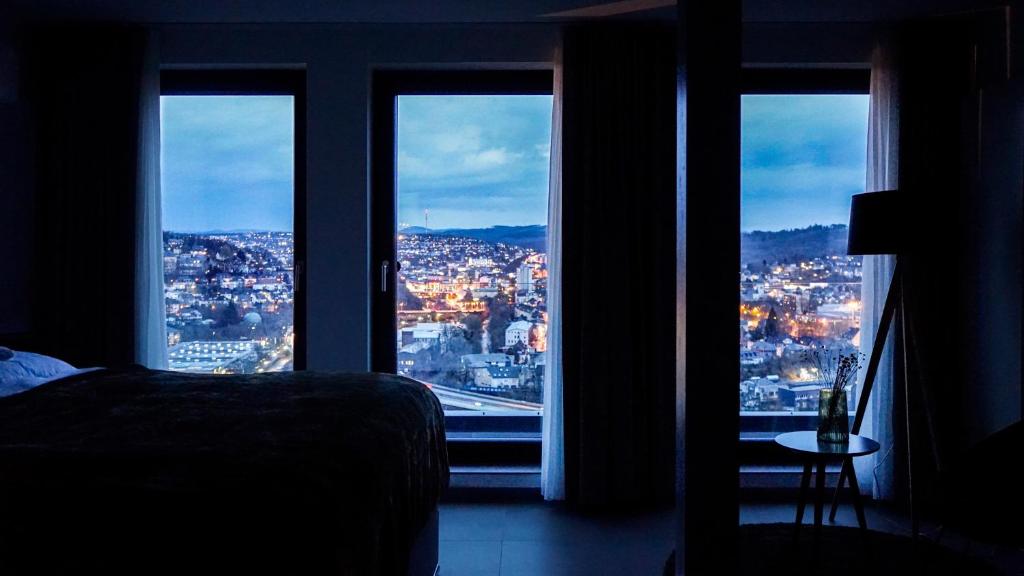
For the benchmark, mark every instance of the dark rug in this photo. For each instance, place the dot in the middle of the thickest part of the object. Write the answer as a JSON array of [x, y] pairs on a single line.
[[841, 551]]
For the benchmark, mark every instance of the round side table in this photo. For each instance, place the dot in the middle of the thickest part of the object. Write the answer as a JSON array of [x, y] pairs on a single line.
[[816, 454]]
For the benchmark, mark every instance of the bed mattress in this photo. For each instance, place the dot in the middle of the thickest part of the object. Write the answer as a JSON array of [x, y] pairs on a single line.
[[147, 471]]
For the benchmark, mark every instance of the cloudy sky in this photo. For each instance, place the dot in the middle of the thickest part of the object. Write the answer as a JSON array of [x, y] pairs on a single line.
[[226, 162], [479, 161], [473, 161], [803, 156]]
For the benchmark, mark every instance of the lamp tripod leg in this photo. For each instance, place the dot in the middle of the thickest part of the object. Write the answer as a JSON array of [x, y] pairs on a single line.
[[914, 520]]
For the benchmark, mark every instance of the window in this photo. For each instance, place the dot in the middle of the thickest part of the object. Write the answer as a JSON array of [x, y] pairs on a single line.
[[472, 208], [467, 155], [230, 144], [803, 155]]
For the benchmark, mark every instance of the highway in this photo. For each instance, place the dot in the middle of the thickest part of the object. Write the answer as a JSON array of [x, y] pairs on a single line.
[[463, 400]]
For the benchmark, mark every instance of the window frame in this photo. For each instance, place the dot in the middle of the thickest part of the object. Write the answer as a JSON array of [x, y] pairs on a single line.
[[264, 82], [386, 86], [757, 431]]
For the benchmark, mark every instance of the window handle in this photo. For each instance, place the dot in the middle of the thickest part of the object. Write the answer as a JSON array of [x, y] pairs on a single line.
[[384, 275]]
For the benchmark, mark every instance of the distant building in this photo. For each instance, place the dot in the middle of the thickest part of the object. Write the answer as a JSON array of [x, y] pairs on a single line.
[[498, 377], [518, 331], [764, 350], [750, 358], [481, 293], [225, 357], [428, 332], [524, 278], [410, 355], [473, 361], [800, 396]]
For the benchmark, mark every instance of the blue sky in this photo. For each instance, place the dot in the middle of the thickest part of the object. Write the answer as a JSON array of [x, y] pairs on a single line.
[[480, 161], [802, 156], [227, 162], [473, 161]]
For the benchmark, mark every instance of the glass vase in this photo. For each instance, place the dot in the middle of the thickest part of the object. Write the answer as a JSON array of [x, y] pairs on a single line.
[[833, 417]]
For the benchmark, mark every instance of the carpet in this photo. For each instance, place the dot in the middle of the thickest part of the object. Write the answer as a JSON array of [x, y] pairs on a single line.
[[768, 549]]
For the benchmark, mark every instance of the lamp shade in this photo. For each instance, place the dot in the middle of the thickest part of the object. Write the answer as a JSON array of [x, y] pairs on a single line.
[[876, 223]]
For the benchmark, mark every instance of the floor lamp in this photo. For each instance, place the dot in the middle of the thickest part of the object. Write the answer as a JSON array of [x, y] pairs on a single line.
[[876, 226]]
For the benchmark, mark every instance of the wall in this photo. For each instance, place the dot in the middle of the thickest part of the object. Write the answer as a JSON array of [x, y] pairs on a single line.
[[15, 196], [339, 60], [994, 288], [992, 380], [809, 44]]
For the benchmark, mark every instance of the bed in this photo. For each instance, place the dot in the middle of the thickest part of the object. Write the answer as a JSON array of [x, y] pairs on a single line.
[[142, 471]]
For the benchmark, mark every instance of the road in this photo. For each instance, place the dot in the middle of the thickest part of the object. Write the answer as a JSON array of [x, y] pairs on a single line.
[[460, 399]]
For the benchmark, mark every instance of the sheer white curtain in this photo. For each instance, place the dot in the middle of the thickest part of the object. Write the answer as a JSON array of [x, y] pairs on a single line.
[[150, 328], [552, 470], [876, 473]]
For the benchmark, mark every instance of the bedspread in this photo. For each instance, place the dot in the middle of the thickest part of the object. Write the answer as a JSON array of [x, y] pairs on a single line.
[[147, 471]]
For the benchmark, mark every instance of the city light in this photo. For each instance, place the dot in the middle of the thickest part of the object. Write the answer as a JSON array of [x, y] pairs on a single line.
[[229, 302], [500, 289], [787, 311]]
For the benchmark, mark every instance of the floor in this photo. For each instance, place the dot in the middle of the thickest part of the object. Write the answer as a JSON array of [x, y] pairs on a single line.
[[538, 539], [534, 538]]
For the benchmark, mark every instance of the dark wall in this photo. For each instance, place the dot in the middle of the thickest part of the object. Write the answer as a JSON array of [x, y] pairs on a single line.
[[707, 300], [994, 157], [809, 43], [992, 395], [15, 196]]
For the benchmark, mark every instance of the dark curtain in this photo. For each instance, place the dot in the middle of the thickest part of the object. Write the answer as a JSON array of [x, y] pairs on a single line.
[[618, 294], [84, 87], [962, 260]]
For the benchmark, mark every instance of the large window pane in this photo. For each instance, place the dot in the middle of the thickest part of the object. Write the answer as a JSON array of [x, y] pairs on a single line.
[[472, 183], [803, 156], [228, 190]]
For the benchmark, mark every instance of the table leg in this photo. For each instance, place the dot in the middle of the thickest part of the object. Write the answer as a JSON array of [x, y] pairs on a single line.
[[858, 504], [839, 487], [819, 495], [805, 485]]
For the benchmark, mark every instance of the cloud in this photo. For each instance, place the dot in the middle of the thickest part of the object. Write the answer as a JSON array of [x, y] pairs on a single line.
[[470, 167], [472, 150], [802, 159], [227, 162]]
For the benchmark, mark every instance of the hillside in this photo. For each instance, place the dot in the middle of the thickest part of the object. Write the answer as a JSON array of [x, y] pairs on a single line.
[[780, 246], [534, 237], [792, 245]]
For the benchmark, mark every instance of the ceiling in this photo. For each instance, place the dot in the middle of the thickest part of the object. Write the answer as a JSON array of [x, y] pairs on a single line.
[[459, 11]]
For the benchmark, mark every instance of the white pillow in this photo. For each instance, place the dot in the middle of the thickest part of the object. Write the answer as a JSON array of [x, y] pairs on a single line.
[[24, 370], [29, 364]]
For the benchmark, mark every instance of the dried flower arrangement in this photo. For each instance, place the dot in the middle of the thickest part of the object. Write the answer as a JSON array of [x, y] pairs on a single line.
[[836, 371]]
